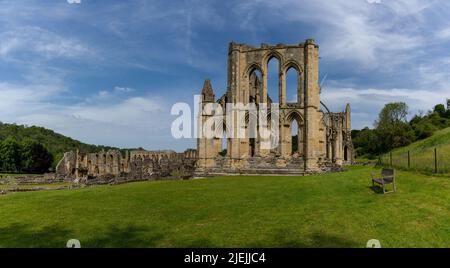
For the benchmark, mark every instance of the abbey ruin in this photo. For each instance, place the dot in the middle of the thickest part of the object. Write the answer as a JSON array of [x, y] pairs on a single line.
[[322, 139], [113, 167]]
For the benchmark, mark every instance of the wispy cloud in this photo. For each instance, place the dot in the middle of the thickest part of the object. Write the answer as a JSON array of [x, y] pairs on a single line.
[[40, 42], [114, 118], [108, 72]]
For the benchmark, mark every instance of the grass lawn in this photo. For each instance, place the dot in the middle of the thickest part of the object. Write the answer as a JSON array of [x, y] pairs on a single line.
[[331, 210]]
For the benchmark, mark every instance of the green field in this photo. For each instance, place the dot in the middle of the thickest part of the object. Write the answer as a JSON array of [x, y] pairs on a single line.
[[422, 154], [331, 210]]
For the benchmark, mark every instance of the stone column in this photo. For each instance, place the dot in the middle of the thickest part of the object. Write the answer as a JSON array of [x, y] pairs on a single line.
[[300, 89], [264, 84], [282, 85], [312, 105], [339, 147], [285, 137]]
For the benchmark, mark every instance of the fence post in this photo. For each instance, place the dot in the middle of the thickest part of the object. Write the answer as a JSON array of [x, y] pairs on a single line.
[[435, 161], [390, 159], [409, 160]]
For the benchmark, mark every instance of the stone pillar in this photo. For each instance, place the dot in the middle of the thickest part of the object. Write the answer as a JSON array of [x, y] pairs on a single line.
[[282, 85], [348, 120], [339, 147], [300, 140], [312, 105], [301, 89], [285, 139], [264, 76]]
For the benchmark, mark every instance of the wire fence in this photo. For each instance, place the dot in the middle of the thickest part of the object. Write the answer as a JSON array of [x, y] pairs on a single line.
[[431, 160]]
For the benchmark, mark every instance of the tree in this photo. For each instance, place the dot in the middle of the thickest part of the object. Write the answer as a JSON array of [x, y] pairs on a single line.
[[440, 109], [10, 155], [366, 142], [392, 127], [35, 157], [423, 128]]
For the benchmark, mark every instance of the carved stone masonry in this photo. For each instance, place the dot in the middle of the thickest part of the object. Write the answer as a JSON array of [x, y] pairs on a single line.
[[324, 138]]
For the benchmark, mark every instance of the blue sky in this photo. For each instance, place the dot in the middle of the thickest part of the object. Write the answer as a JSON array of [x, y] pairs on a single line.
[[108, 72]]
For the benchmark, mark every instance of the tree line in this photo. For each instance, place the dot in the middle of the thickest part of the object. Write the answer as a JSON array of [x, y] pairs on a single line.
[[55, 143], [26, 156], [393, 129]]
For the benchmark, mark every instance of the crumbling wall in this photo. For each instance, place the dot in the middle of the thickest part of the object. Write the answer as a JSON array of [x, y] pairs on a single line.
[[113, 167]]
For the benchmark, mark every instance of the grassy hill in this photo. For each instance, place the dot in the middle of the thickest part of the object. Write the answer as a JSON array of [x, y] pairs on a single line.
[[329, 210], [422, 153], [56, 143]]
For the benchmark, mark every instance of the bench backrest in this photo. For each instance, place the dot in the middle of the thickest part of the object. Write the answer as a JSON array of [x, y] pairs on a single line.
[[387, 172]]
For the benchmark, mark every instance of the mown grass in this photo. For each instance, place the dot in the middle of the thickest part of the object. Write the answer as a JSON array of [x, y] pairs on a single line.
[[422, 155], [331, 210]]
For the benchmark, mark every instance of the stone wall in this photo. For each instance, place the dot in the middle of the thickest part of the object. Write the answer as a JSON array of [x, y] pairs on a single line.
[[324, 137], [113, 167]]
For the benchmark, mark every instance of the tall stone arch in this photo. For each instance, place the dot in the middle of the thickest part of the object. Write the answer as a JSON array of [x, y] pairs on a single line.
[[244, 88]]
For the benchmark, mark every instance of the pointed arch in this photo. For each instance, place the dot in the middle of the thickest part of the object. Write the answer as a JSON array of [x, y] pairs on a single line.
[[272, 93], [274, 78], [294, 115], [255, 85], [251, 68], [222, 133], [272, 54], [295, 135], [292, 64], [294, 129], [293, 89]]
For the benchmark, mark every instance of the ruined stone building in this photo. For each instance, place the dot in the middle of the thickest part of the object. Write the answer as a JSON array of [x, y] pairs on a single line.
[[324, 138], [112, 166], [321, 142]]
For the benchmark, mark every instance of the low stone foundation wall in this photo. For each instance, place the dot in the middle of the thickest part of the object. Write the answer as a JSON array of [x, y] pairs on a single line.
[[254, 166], [31, 179], [113, 168], [268, 166]]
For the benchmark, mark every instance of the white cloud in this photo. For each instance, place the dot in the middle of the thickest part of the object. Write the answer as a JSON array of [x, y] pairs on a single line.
[[443, 34], [124, 89], [40, 42], [368, 33], [109, 117], [366, 37], [367, 103], [131, 122], [74, 1]]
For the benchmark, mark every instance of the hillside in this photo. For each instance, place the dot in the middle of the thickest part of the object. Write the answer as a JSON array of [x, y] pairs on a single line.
[[440, 139], [56, 143], [422, 153]]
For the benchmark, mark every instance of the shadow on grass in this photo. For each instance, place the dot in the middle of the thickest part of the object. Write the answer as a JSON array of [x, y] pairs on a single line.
[[126, 237], [26, 236], [287, 239], [376, 189]]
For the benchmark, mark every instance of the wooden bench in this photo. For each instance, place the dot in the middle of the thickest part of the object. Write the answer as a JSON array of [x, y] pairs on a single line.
[[383, 178]]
